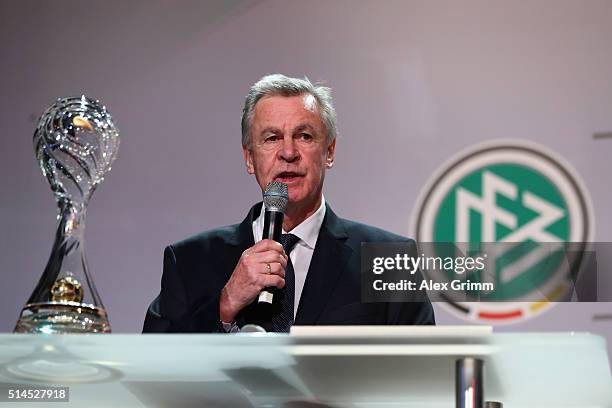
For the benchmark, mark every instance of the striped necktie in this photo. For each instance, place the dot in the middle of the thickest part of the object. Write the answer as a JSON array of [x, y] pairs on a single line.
[[282, 321]]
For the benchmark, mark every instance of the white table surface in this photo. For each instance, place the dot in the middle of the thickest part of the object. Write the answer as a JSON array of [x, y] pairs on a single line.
[[350, 367]]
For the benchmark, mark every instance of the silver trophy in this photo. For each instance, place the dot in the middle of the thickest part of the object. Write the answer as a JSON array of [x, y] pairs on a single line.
[[75, 143]]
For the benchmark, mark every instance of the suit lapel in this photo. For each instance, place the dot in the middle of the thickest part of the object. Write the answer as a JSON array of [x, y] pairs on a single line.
[[328, 262], [243, 236]]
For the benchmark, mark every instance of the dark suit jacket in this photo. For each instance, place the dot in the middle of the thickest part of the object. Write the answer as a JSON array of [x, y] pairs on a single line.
[[196, 269]]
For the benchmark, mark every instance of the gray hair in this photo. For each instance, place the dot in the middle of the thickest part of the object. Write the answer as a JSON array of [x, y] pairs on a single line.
[[278, 84]]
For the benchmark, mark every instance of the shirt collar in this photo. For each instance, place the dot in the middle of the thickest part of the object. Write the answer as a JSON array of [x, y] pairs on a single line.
[[307, 231]]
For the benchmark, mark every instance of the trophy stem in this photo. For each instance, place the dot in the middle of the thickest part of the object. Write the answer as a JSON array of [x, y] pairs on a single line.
[[60, 292]]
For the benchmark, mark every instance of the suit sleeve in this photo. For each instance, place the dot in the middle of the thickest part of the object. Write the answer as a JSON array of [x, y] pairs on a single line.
[[171, 311], [414, 313]]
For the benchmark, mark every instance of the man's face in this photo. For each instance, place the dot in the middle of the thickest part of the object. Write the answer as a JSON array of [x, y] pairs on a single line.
[[289, 144]]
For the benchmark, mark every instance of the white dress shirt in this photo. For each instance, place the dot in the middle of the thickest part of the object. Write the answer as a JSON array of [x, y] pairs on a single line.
[[301, 255]]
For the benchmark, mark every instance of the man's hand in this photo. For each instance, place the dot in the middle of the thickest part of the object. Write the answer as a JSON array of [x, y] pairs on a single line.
[[260, 266]]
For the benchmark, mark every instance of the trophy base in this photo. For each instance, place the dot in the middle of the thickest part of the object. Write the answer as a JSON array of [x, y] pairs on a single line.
[[62, 318]]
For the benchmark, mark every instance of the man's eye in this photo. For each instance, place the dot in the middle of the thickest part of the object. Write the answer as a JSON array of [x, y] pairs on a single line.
[[306, 137], [271, 139]]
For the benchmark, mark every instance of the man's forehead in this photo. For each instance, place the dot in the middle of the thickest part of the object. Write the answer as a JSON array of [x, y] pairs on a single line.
[[307, 101], [273, 107]]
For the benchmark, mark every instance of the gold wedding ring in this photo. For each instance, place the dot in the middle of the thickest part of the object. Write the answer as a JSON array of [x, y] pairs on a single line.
[[268, 268]]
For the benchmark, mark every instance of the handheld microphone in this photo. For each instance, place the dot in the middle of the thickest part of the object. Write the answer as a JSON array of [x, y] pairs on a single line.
[[275, 200]]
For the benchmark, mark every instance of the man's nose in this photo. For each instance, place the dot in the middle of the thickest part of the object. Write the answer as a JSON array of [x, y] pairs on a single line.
[[288, 150]]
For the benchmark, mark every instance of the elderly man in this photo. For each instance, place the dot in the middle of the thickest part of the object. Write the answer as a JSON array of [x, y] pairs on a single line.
[[211, 281]]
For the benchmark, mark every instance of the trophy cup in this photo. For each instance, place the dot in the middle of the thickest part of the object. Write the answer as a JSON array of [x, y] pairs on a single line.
[[75, 143]]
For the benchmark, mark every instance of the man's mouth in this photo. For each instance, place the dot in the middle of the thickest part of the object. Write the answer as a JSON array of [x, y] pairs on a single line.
[[287, 176]]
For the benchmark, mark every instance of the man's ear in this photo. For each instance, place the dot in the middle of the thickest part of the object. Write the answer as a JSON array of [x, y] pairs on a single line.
[[248, 160], [331, 154]]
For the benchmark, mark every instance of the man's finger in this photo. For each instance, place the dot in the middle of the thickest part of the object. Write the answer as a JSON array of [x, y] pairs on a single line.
[[273, 268], [266, 245], [273, 281], [272, 256]]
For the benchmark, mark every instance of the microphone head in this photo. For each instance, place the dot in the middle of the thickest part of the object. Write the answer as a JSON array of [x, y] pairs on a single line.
[[276, 196]]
